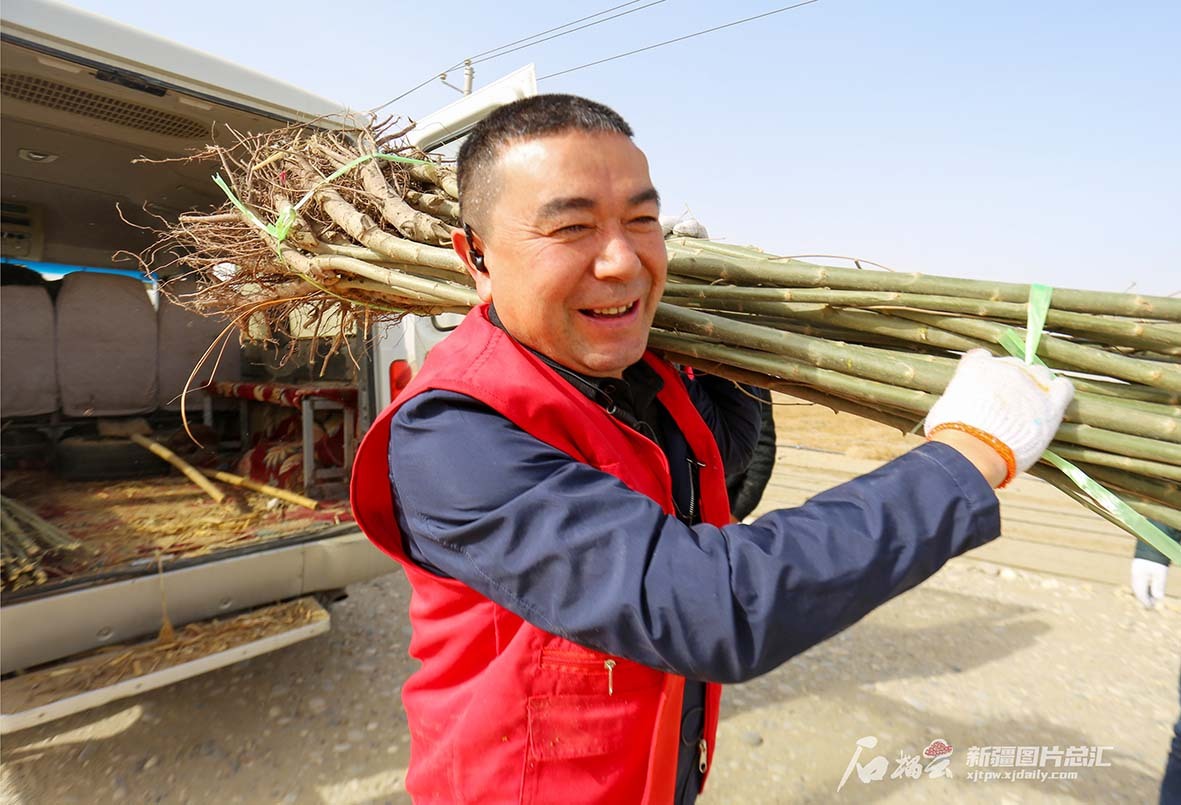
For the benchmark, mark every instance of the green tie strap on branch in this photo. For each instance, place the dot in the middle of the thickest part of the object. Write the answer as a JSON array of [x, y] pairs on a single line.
[[1127, 517], [352, 226], [1039, 305], [287, 217]]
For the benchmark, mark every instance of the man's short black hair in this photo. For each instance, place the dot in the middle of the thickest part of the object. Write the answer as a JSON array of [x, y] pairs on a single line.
[[537, 116]]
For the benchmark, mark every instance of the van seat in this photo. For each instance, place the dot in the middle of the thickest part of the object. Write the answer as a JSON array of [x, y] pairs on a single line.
[[28, 371], [184, 337], [106, 346]]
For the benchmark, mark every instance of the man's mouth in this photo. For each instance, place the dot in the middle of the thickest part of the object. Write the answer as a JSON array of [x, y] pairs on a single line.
[[616, 312]]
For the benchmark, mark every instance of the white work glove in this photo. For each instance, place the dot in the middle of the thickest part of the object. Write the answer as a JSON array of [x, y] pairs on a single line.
[[1148, 581], [683, 225], [690, 227], [1005, 402]]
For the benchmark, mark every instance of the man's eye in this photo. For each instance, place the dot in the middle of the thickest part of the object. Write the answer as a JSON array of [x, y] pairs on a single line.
[[644, 220], [571, 229]]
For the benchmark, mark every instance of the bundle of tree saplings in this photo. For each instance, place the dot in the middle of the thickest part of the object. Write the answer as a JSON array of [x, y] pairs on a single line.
[[350, 225], [30, 547]]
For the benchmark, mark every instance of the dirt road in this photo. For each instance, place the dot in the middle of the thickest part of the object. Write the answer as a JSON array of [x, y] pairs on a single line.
[[981, 655]]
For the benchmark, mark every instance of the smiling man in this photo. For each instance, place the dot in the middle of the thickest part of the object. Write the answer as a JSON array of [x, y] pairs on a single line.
[[579, 263], [556, 495]]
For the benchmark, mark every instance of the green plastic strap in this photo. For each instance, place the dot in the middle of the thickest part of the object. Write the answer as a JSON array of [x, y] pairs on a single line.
[[1016, 347], [1039, 306], [1134, 521], [225, 188], [1143, 527], [349, 166], [282, 225]]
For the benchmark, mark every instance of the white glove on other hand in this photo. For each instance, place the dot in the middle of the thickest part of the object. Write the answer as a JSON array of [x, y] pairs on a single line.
[[683, 225], [1007, 403], [691, 228], [1148, 581]]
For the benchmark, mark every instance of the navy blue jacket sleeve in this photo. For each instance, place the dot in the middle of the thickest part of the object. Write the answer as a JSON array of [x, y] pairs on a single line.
[[575, 552]]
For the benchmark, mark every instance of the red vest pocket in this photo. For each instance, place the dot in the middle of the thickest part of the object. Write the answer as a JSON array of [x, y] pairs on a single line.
[[567, 727], [591, 748], [568, 668]]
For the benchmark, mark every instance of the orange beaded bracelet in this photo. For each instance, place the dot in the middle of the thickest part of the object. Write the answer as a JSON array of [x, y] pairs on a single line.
[[996, 444]]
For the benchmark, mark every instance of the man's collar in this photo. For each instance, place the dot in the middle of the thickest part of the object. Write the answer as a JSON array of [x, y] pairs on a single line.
[[634, 392]]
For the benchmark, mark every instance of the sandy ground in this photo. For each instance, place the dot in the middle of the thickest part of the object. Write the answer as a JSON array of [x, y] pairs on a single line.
[[978, 656]]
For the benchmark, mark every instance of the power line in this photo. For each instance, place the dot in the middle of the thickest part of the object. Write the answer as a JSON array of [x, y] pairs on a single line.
[[572, 30], [678, 39], [413, 89], [481, 57], [551, 30]]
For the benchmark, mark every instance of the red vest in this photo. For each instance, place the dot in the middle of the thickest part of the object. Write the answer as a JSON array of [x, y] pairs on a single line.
[[500, 710]]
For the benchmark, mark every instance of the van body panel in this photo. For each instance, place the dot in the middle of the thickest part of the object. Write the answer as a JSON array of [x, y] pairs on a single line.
[[81, 38], [72, 621]]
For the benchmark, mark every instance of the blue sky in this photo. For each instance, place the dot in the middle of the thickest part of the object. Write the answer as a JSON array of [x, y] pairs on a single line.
[[1028, 142]]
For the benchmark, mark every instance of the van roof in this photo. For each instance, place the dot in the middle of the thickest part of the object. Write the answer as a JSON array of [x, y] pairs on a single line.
[[56, 29]]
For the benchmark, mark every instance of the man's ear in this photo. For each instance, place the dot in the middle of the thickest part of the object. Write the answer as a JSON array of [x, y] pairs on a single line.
[[483, 279]]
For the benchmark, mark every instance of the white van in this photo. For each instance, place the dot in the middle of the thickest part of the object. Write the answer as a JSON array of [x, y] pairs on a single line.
[[86, 338]]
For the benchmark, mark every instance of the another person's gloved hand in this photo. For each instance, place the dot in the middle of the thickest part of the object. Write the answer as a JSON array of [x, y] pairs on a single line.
[[683, 225], [1148, 581], [1014, 407]]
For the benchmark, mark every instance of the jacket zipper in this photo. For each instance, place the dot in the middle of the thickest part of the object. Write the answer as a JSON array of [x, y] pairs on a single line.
[[702, 756], [610, 666], [694, 467]]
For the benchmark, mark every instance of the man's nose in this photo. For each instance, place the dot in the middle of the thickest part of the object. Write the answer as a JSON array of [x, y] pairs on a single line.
[[618, 258]]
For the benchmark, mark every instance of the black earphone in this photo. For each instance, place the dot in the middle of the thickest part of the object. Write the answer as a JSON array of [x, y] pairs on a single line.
[[476, 255]]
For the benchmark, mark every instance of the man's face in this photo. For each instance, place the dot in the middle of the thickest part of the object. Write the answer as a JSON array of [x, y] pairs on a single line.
[[573, 249]]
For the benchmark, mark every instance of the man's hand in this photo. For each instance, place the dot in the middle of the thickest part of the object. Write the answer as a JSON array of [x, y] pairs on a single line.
[[1012, 407], [1148, 581]]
